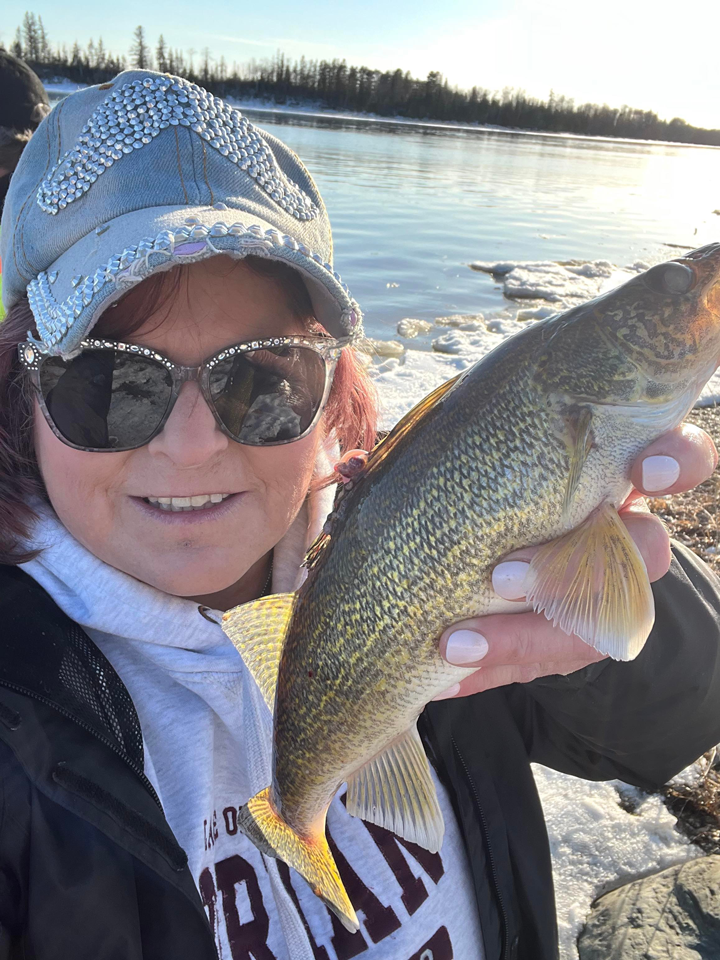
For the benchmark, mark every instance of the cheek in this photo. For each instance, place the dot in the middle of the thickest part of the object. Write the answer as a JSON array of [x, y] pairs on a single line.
[[285, 473], [79, 485]]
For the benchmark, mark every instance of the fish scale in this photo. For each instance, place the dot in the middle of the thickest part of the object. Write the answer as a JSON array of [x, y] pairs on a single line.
[[531, 446]]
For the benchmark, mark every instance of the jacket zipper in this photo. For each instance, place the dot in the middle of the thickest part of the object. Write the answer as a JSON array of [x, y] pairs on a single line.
[[108, 743], [493, 868]]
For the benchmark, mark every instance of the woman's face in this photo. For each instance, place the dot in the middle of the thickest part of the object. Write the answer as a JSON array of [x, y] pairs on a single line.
[[101, 498]]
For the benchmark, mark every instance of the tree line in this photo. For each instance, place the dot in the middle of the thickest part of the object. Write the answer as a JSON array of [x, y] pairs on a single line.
[[335, 85]]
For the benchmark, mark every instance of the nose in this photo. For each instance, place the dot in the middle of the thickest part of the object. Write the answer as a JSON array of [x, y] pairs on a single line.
[[190, 437]]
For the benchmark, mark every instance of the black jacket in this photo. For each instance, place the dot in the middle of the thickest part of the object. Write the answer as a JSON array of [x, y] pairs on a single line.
[[90, 870]]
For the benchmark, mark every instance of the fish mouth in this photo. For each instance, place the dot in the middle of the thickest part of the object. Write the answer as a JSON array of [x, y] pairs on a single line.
[[704, 262], [705, 289], [701, 253]]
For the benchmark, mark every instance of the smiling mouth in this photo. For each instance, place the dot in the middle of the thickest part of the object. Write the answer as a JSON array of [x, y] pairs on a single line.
[[186, 504]]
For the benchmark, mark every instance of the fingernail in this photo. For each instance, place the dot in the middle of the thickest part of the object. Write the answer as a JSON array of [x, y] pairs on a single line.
[[452, 691], [659, 473], [465, 646], [508, 579]]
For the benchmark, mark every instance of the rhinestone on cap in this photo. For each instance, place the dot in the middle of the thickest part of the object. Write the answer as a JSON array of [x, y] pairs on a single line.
[[133, 115]]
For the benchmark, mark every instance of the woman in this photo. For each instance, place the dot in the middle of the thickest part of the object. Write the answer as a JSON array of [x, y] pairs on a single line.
[[174, 268]]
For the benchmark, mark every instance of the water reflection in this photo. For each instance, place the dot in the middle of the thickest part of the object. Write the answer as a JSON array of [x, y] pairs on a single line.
[[413, 205]]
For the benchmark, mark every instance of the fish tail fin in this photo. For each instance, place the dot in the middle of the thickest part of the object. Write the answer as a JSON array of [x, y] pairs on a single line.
[[311, 857]]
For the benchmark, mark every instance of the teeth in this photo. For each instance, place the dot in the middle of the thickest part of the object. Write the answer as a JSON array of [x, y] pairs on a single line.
[[178, 504]]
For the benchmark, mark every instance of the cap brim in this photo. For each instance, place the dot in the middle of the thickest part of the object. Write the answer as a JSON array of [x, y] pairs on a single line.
[[68, 298]]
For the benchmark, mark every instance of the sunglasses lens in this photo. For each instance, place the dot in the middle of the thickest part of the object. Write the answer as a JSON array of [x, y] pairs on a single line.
[[106, 400], [270, 395]]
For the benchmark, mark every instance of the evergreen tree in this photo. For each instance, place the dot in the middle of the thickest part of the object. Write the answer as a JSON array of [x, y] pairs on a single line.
[[31, 38], [45, 53], [161, 56], [100, 55], [139, 50], [205, 67]]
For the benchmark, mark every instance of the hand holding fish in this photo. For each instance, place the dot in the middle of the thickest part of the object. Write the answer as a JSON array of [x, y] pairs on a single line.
[[520, 647]]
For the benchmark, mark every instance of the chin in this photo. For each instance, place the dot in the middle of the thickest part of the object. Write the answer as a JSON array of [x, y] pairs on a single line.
[[198, 583]]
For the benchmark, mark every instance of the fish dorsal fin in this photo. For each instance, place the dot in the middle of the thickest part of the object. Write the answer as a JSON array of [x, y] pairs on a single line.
[[316, 550], [395, 790], [377, 456], [593, 582], [406, 424], [258, 630], [581, 441]]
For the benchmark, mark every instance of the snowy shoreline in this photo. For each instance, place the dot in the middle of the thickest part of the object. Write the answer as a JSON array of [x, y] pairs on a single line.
[[61, 87]]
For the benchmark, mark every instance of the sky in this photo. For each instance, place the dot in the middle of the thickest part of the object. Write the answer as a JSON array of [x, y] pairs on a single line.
[[651, 54]]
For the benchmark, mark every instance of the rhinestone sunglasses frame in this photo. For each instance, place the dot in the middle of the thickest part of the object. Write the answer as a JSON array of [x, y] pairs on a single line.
[[328, 348]]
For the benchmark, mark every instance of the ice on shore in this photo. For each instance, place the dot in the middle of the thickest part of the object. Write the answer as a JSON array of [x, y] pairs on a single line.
[[568, 283], [533, 290]]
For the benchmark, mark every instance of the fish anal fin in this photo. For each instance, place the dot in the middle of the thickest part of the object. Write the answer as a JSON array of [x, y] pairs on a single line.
[[258, 630], [579, 422], [395, 790], [311, 857], [593, 582]]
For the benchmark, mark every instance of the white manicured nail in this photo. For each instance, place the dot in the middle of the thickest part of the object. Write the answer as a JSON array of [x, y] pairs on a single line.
[[465, 646], [450, 692], [508, 579], [659, 473]]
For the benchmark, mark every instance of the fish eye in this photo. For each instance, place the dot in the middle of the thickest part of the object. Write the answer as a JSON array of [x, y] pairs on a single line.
[[670, 277]]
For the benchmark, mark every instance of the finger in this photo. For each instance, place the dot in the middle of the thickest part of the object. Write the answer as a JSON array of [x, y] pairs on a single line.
[[651, 538], [490, 677], [677, 461], [511, 639]]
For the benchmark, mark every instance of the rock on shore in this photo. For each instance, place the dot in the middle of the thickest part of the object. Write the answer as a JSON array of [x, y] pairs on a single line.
[[673, 915]]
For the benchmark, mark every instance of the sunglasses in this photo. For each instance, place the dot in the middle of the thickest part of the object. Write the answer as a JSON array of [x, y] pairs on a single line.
[[118, 396]]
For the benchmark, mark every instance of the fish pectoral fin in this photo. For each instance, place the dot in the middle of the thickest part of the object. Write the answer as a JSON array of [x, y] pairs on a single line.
[[581, 440], [593, 582], [311, 857], [395, 790], [258, 630]]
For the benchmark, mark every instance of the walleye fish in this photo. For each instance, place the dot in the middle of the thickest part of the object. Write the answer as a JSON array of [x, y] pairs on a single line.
[[532, 445]]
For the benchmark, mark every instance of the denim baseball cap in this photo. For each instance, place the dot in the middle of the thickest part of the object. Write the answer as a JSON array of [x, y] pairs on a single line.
[[133, 177]]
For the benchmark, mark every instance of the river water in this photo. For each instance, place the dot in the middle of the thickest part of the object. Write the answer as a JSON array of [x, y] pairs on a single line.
[[411, 206]]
